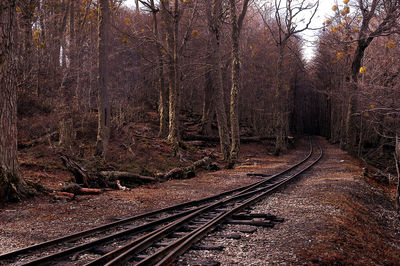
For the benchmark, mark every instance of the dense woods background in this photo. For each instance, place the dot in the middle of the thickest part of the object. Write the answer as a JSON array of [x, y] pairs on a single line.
[[83, 74]]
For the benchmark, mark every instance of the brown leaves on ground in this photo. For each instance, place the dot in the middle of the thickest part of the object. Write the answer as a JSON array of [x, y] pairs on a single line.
[[362, 229]]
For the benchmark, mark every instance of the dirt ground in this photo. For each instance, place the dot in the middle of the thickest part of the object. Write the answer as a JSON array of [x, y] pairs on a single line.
[[332, 215]]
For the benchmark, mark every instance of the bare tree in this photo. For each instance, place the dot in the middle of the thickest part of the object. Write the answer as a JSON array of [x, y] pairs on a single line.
[[103, 133], [172, 15], [163, 90], [289, 18], [367, 32]]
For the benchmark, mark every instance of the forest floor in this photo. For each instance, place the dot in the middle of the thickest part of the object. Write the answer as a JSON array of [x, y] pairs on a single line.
[[333, 215]]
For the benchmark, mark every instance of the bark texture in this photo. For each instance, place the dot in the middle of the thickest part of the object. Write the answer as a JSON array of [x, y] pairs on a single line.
[[12, 186], [163, 91], [103, 133], [214, 14], [174, 83], [397, 159], [281, 115], [236, 25], [351, 119], [208, 93]]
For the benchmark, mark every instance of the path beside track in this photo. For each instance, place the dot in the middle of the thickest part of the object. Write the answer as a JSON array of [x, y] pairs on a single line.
[[332, 216]]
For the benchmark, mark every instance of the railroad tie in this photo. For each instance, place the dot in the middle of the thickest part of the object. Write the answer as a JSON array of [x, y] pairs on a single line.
[[245, 230], [207, 262], [251, 216], [253, 223], [230, 236], [217, 248]]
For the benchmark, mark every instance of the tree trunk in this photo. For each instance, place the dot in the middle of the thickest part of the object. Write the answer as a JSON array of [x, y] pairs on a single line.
[[163, 104], [72, 40], [397, 159], [236, 25], [57, 43], [66, 122], [173, 135], [281, 116], [12, 186], [137, 5], [214, 25], [103, 133], [163, 91], [27, 14], [207, 108], [351, 129], [351, 120], [234, 116]]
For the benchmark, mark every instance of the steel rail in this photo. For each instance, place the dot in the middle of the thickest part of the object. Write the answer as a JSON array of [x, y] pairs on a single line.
[[99, 229], [135, 247], [180, 247]]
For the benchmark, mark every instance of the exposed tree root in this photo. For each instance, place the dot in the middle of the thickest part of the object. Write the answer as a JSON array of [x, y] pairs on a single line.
[[12, 187]]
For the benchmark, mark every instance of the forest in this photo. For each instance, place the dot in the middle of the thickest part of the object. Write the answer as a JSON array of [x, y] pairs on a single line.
[[96, 83]]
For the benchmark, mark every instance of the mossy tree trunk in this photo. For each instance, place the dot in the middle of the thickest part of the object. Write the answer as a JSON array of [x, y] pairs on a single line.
[[12, 186]]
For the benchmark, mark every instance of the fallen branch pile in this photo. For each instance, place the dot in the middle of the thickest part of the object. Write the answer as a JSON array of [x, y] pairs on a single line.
[[90, 182]]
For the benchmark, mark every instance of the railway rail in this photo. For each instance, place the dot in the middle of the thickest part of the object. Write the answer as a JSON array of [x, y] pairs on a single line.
[[161, 236]]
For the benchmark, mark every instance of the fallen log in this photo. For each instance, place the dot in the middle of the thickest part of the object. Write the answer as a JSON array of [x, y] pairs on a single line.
[[40, 140], [64, 194], [176, 173], [190, 137], [73, 189], [205, 162], [76, 189], [90, 191], [121, 180], [187, 172], [126, 177]]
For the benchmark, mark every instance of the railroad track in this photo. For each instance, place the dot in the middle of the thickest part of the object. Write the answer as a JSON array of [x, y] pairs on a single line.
[[158, 237]]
